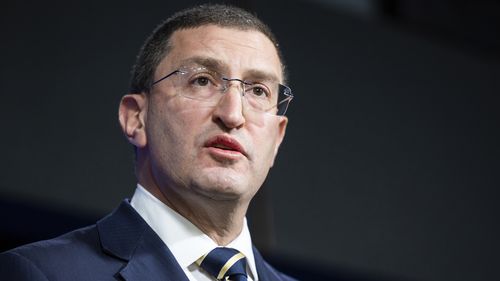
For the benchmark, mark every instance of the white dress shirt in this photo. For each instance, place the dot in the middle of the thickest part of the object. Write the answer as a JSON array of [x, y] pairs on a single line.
[[187, 242]]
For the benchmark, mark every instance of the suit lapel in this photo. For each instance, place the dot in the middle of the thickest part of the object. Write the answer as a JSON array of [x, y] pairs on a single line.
[[126, 236], [152, 260]]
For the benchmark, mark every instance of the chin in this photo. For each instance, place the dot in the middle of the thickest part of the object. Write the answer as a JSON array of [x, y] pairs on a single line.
[[221, 187]]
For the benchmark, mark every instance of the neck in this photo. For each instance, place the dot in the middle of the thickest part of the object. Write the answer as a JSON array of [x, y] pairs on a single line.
[[220, 219]]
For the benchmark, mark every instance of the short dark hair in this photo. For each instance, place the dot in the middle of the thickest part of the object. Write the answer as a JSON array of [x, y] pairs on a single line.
[[156, 46]]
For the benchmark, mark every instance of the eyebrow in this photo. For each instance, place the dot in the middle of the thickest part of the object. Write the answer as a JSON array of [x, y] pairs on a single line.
[[220, 67], [210, 63], [260, 75]]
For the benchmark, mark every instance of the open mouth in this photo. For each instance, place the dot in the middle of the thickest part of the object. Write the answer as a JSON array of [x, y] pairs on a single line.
[[225, 147], [226, 144]]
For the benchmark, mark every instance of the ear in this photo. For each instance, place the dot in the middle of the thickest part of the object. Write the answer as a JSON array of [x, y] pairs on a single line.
[[131, 114], [281, 135]]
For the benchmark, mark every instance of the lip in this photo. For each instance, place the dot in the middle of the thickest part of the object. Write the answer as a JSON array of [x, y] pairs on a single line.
[[225, 145]]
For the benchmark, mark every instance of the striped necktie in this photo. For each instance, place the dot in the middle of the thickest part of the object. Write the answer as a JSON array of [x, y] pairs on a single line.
[[225, 264]]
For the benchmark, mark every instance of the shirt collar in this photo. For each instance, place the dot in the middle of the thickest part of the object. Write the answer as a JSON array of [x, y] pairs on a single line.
[[186, 242]]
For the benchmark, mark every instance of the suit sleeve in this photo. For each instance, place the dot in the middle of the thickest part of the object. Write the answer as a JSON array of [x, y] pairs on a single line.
[[15, 267]]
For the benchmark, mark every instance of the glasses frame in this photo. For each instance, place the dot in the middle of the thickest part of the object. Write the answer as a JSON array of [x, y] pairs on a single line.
[[282, 89]]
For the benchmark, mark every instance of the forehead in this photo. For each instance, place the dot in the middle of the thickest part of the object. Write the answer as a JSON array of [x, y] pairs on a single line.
[[238, 52]]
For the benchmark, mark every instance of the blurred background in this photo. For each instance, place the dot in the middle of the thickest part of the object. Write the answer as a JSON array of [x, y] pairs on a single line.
[[390, 166]]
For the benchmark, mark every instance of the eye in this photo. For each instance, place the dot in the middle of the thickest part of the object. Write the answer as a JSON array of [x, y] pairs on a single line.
[[201, 81], [259, 91]]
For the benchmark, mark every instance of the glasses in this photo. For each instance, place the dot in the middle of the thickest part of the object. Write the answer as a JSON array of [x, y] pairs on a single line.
[[200, 83]]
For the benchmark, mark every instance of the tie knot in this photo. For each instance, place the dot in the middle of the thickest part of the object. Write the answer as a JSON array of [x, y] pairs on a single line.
[[225, 263]]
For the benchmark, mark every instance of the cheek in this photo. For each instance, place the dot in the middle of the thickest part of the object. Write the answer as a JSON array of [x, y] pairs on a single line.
[[163, 130], [177, 127], [171, 148], [266, 134]]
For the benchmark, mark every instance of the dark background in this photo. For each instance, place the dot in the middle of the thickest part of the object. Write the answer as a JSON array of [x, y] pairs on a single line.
[[390, 167]]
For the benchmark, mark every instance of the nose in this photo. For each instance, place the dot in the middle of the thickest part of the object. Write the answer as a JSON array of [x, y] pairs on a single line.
[[229, 110]]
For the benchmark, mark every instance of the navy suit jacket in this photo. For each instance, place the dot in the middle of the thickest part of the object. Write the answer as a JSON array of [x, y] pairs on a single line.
[[121, 246]]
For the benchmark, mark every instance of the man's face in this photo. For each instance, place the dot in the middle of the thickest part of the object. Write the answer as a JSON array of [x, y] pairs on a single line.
[[222, 151]]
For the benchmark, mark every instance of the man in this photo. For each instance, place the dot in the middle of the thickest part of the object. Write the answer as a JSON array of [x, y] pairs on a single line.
[[206, 116]]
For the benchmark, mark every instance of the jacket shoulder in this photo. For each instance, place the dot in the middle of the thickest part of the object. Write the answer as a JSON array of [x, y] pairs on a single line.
[[17, 267], [64, 246], [66, 257]]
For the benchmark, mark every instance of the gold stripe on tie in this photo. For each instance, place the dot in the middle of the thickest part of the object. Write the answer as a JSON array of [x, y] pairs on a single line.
[[229, 263], [200, 260]]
